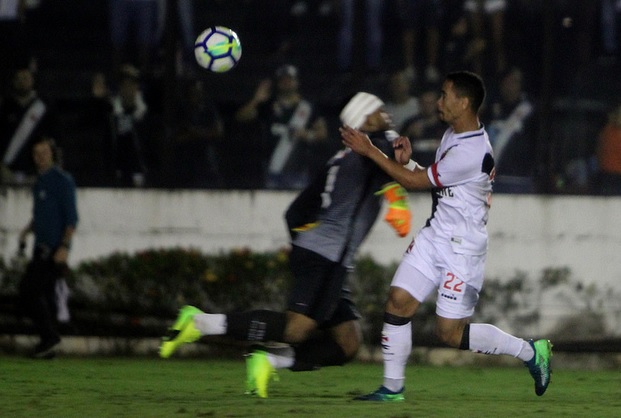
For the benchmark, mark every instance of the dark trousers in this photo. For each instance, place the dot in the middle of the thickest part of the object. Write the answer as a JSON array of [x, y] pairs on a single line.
[[37, 291]]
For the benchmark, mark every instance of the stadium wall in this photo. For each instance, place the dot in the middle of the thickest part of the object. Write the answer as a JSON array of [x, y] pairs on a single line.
[[527, 233]]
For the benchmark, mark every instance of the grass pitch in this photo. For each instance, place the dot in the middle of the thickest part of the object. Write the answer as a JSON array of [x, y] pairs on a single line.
[[151, 387]]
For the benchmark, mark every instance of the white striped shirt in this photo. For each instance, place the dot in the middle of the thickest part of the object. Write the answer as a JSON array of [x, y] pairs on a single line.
[[462, 175]]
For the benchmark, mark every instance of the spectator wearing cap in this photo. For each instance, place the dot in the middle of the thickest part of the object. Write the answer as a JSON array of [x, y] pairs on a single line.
[[293, 134]]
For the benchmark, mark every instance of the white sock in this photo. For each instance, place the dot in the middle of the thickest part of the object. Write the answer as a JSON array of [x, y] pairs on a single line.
[[396, 349], [527, 352], [210, 324], [281, 358], [488, 339]]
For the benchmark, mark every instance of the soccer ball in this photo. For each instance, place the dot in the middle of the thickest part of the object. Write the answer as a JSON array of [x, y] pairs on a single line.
[[217, 49]]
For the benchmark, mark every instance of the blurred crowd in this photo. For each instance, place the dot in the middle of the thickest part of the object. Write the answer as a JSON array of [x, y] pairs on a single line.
[[139, 112]]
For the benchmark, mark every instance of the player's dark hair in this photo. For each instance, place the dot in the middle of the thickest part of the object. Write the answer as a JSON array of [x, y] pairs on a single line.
[[470, 85], [56, 151]]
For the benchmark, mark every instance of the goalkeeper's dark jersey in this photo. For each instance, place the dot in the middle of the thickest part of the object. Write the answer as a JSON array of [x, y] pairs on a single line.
[[342, 203]]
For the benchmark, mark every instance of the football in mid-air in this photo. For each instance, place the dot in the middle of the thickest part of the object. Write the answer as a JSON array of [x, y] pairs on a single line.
[[217, 49]]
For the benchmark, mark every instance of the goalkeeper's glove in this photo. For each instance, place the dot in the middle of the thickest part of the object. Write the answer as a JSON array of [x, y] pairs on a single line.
[[398, 215]]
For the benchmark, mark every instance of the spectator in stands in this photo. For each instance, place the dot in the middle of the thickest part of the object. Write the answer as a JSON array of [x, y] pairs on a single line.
[[610, 15], [608, 153], [373, 34], [54, 220], [184, 25], [525, 27], [401, 103], [273, 28], [133, 32], [198, 133], [24, 117], [459, 50], [511, 126], [95, 126], [293, 132], [420, 20], [14, 45], [487, 22], [425, 130], [129, 130]]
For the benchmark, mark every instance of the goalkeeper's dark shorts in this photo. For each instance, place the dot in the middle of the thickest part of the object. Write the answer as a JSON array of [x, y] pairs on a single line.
[[319, 289]]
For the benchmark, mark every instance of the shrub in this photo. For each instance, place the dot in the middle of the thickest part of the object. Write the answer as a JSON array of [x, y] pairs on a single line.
[[158, 281]]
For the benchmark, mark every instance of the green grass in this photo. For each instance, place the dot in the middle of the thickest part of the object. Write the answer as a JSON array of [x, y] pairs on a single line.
[[151, 387]]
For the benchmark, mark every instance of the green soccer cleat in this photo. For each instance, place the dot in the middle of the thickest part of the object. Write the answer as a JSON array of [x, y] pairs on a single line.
[[259, 372], [382, 395], [183, 331], [540, 366]]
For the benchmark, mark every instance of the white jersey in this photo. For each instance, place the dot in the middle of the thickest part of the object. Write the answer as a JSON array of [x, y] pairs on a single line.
[[462, 175]]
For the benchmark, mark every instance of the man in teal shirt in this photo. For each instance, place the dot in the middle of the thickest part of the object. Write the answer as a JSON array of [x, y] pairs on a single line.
[[53, 223]]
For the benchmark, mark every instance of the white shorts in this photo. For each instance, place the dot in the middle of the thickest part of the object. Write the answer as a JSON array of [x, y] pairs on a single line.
[[489, 6], [458, 278]]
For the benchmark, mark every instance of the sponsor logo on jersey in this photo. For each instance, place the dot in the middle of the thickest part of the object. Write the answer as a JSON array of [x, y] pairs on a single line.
[[444, 192]]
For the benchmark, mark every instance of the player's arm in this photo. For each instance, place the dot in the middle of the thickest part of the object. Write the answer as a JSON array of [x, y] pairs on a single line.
[[361, 144], [249, 111], [302, 213], [317, 132]]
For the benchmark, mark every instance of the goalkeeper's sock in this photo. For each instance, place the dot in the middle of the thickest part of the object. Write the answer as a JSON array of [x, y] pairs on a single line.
[[318, 352], [488, 339], [281, 357], [210, 324], [257, 325]]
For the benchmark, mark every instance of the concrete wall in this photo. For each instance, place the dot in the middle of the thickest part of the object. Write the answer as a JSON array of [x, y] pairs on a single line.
[[527, 233]]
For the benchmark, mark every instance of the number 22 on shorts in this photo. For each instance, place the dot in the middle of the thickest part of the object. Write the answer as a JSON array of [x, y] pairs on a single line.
[[453, 283]]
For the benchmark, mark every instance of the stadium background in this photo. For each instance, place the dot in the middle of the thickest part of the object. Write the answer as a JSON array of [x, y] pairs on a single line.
[[557, 43], [574, 92]]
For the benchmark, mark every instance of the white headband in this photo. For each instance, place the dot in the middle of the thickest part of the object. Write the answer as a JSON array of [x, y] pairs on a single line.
[[358, 108]]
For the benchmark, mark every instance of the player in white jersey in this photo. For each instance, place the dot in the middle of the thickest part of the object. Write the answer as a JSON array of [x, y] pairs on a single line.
[[447, 254]]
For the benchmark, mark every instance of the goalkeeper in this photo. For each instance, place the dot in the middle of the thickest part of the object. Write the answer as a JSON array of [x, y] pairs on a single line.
[[328, 221]]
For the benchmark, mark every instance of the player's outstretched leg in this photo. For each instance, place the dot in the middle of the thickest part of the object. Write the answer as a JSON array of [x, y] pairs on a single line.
[[540, 366], [259, 372], [382, 395], [183, 331]]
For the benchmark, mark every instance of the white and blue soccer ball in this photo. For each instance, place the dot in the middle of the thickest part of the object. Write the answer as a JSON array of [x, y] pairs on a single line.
[[217, 49]]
